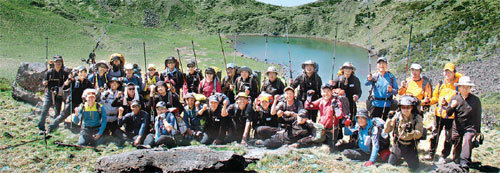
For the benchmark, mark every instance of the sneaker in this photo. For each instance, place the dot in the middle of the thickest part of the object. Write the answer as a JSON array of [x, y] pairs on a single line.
[[428, 157]]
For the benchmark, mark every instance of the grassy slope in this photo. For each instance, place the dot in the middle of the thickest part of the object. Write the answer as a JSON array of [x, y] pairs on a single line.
[[25, 26]]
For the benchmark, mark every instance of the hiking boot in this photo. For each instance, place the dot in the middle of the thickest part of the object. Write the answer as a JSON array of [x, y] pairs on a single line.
[[428, 157], [42, 132]]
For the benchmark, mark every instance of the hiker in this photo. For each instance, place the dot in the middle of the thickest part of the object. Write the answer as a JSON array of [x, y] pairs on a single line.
[[407, 128], [286, 108], [239, 114], [330, 109], [116, 62], [100, 79], [368, 139], [193, 77], [107, 98], [136, 123], [229, 81], [350, 84], [247, 83], [210, 85], [441, 96], [166, 129], [308, 80], [131, 77], [53, 82], [299, 134], [384, 87], [92, 126], [165, 92], [76, 84], [173, 74], [216, 120], [272, 85], [191, 116], [418, 85], [125, 98], [150, 78], [262, 116], [467, 125]]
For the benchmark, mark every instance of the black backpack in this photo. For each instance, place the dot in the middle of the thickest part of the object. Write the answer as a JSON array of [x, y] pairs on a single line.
[[384, 143]]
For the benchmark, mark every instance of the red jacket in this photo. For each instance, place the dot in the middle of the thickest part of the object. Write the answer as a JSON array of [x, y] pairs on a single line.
[[207, 88], [327, 111]]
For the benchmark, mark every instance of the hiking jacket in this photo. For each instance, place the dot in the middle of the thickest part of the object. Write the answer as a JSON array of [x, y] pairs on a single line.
[[327, 111], [380, 94], [399, 124], [193, 81], [351, 86], [239, 117], [307, 83], [467, 113], [107, 98], [55, 78], [91, 117], [416, 89], [444, 90], [208, 88], [368, 142], [273, 88], [77, 88], [160, 126], [102, 80], [263, 117], [176, 76], [191, 118], [250, 83], [215, 124], [134, 79], [135, 124]]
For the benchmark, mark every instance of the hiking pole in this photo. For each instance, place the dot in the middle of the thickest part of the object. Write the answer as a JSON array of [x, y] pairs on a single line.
[[265, 51], [409, 48], [194, 53], [430, 55], [180, 61], [144, 50], [223, 54], [289, 56], [234, 52], [46, 51], [334, 49]]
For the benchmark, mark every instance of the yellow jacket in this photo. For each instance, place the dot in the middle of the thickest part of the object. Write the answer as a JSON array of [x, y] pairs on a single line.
[[416, 89], [447, 91]]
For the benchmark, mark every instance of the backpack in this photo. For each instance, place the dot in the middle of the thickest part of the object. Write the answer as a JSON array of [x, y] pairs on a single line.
[[371, 98], [384, 142]]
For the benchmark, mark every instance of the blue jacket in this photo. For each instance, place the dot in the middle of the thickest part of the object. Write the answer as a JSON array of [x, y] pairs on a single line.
[[91, 118], [160, 126], [101, 80], [366, 142], [192, 120], [136, 80], [380, 89]]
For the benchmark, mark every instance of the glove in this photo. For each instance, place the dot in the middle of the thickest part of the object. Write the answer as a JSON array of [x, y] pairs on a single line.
[[368, 163], [347, 122]]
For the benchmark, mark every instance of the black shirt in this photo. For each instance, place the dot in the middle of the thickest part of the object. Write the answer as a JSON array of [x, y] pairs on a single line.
[[55, 78], [307, 83], [263, 117], [351, 86], [239, 117], [193, 81], [467, 113], [226, 82], [77, 90], [273, 88], [135, 124]]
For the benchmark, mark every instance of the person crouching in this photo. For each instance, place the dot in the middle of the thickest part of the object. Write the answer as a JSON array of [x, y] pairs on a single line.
[[93, 116]]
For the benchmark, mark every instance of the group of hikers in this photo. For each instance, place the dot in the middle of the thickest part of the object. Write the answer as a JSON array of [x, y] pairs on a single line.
[[168, 107]]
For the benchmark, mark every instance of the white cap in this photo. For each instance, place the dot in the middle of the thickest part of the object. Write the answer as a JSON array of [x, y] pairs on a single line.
[[129, 67], [416, 66], [88, 90]]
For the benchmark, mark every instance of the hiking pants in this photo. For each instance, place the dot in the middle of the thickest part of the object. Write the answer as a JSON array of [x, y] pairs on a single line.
[[210, 138], [86, 136], [439, 124], [462, 146], [408, 152], [332, 137], [65, 114], [381, 112], [47, 103], [265, 132], [356, 154], [113, 129]]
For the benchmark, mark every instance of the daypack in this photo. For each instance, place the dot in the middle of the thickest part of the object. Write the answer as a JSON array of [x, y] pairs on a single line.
[[82, 110], [384, 143]]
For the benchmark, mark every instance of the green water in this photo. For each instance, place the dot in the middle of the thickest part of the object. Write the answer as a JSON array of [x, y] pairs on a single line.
[[302, 49]]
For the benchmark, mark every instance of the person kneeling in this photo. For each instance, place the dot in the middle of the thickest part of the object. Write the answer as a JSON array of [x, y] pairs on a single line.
[[407, 129], [300, 134], [369, 138], [93, 126], [167, 130]]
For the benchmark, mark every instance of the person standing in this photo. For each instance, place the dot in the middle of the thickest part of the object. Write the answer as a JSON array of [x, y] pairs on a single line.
[[308, 80], [467, 125], [417, 85], [272, 85], [348, 82], [384, 87]]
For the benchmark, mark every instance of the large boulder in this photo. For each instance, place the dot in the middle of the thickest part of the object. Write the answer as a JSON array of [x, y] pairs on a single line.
[[183, 159], [21, 94], [30, 75]]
